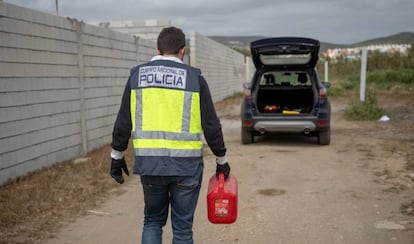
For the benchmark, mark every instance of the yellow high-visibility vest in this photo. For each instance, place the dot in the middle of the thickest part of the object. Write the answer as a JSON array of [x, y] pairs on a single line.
[[165, 113]]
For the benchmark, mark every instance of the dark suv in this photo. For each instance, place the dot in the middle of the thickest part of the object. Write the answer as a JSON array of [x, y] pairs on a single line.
[[285, 94]]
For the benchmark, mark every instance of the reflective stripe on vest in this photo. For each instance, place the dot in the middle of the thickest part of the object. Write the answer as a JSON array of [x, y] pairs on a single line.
[[166, 122]]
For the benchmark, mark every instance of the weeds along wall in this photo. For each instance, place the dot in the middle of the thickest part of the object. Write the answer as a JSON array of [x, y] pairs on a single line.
[[61, 83]]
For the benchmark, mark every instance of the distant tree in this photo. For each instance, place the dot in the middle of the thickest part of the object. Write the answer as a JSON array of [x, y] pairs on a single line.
[[409, 62]]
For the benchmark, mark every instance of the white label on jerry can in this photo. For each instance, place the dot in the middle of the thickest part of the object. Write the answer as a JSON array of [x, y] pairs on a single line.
[[221, 207]]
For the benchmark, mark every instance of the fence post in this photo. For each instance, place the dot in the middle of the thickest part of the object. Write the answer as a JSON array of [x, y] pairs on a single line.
[[136, 39], [326, 72], [81, 79], [363, 74]]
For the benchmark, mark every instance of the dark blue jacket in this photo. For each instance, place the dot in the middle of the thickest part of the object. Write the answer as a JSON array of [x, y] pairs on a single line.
[[170, 166]]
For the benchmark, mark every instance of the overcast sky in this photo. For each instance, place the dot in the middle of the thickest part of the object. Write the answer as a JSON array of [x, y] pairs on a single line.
[[336, 21]]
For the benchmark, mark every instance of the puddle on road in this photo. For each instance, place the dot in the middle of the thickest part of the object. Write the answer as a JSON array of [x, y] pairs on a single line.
[[272, 192]]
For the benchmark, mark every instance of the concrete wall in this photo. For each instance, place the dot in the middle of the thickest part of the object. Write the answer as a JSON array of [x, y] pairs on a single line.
[[60, 86], [223, 67], [61, 83], [250, 69]]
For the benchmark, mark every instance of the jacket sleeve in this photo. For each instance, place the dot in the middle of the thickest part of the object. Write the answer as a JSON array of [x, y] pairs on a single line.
[[210, 122], [123, 125]]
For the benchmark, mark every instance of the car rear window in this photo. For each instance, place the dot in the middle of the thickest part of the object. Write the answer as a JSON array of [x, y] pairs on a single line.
[[290, 78], [285, 59]]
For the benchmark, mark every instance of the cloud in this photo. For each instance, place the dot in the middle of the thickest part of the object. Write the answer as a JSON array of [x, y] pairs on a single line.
[[328, 20]]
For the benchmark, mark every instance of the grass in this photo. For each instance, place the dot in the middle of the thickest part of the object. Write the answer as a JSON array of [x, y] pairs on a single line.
[[32, 207], [365, 110]]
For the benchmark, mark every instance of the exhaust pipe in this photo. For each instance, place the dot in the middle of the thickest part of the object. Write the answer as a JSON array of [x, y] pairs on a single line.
[[307, 131], [262, 131]]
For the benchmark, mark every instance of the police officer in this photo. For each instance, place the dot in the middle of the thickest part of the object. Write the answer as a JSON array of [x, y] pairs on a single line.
[[167, 106]]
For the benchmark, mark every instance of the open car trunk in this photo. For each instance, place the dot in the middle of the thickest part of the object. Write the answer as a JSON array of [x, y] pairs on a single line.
[[287, 93], [285, 100]]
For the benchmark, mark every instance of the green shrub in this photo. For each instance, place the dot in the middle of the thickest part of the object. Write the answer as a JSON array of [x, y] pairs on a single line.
[[335, 92], [390, 78], [407, 77], [351, 83], [367, 110]]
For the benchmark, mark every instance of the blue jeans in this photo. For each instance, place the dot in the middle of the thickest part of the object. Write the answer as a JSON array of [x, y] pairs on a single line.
[[181, 192]]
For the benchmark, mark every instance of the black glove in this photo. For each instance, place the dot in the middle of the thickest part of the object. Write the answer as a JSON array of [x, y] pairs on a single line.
[[223, 168], [117, 165]]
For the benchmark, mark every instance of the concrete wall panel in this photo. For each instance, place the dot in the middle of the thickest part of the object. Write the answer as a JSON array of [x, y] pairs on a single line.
[[107, 33], [37, 70], [38, 136], [34, 29], [13, 40], [20, 127], [109, 43], [106, 62], [106, 52], [32, 56], [16, 113], [10, 84], [10, 99], [91, 82]]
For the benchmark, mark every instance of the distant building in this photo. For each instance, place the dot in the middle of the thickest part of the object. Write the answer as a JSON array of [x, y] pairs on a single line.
[[352, 53]]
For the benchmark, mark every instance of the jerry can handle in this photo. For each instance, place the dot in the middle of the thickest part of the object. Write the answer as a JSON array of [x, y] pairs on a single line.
[[221, 180]]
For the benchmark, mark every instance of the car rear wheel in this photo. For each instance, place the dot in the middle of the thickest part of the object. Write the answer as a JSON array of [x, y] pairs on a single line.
[[324, 137], [247, 136]]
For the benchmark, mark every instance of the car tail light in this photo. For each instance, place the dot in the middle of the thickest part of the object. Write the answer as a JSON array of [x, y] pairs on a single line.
[[247, 94], [247, 122], [323, 93], [322, 122]]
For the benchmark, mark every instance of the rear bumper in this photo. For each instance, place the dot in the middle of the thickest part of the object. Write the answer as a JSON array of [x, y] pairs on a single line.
[[284, 126], [252, 121]]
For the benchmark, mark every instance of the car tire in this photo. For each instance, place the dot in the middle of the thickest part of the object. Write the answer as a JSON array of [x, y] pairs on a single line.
[[324, 137], [247, 136]]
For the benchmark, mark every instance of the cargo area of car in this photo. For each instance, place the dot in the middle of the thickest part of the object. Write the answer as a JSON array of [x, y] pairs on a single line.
[[285, 93], [288, 100]]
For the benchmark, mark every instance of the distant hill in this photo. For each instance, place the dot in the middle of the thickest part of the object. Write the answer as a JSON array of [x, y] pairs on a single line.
[[326, 45], [400, 38], [244, 41]]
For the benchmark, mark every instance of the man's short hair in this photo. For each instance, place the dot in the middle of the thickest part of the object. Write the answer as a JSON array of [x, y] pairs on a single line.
[[170, 40]]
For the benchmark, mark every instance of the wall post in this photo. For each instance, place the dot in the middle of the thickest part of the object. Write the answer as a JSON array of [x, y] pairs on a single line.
[[363, 74], [81, 78]]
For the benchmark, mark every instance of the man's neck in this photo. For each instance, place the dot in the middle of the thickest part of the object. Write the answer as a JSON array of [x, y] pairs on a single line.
[[167, 57]]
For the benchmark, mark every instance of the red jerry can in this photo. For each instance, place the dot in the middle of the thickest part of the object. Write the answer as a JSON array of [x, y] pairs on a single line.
[[222, 199]]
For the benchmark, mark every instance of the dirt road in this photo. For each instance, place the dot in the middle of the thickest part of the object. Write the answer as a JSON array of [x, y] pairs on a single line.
[[357, 190]]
